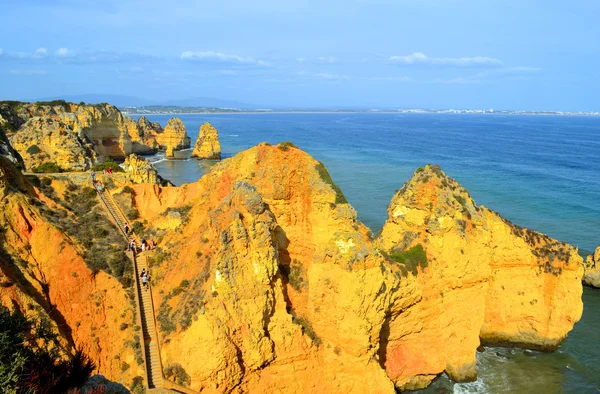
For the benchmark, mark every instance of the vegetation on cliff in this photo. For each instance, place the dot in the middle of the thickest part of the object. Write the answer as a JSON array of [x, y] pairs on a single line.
[[30, 360]]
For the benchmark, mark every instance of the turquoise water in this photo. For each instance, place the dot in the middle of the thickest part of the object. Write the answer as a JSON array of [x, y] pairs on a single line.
[[539, 172]]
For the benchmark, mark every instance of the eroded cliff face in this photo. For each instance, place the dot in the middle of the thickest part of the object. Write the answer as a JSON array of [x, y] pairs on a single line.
[[271, 278], [207, 145], [476, 275], [8, 125], [43, 274], [174, 137], [45, 139], [592, 269]]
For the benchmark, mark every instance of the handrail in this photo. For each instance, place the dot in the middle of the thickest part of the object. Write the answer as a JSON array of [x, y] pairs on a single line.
[[137, 296], [167, 384]]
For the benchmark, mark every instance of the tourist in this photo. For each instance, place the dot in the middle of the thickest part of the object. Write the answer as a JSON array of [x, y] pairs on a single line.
[[100, 187], [126, 228], [144, 278], [109, 170], [93, 177]]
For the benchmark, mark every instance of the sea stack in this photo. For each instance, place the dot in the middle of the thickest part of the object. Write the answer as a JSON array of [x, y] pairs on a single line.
[[592, 269], [207, 145], [174, 137]]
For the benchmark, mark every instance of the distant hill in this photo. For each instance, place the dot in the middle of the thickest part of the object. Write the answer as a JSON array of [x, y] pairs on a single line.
[[131, 101]]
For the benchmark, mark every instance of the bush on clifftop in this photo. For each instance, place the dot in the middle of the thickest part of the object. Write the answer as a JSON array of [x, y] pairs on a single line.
[[47, 168]]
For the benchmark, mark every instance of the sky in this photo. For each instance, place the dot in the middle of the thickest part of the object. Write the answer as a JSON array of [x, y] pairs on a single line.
[[516, 55]]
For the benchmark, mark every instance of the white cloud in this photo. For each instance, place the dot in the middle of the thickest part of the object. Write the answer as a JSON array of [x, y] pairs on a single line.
[[40, 53], [419, 58], [326, 59], [27, 72], [392, 79], [136, 69], [64, 52], [1, 52], [218, 57], [301, 59]]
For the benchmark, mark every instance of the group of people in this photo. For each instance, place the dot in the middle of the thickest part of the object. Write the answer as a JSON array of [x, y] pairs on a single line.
[[97, 183], [145, 245]]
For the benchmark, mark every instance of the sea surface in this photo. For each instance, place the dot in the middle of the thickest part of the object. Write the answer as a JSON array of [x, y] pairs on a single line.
[[540, 172]]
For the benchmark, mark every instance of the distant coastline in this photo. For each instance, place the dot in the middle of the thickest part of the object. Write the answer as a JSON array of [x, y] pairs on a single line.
[[142, 111]]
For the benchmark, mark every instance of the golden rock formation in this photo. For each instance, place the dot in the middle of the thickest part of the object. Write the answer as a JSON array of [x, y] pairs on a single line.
[[592, 269], [475, 275], [140, 170], [265, 281], [174, 137], [348, 310], [207, 145], [45, 139]]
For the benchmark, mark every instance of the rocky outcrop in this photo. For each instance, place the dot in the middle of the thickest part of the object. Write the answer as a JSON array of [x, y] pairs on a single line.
[[141, 170], [473, 276], [281, 288], [44, 139], [592, 269], [174, 137], [265, 281], [411, 311], [207, 145], [110, 133]]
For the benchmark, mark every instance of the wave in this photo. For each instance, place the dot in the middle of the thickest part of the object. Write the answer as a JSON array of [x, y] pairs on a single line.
[[233, 135]]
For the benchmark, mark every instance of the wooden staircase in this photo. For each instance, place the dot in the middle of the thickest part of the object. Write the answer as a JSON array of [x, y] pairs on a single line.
[[146, 318]]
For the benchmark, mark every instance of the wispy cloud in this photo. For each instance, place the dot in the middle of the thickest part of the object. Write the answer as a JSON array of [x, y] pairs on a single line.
[[40, 53], [326, 60], [419, 58], [64, 52], [26, 72], [218, 57], [495, 75], [392, 79]]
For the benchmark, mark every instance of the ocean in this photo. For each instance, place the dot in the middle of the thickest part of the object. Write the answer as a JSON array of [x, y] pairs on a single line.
[[540, 172]]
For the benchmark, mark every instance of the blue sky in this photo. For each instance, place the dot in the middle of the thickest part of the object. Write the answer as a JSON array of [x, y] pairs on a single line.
[[528, 54]]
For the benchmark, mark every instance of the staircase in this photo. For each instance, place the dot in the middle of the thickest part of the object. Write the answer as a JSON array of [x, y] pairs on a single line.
[[145, 309], [143, 298]]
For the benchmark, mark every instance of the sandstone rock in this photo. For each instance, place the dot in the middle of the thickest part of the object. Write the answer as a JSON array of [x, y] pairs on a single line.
[[174, 137], [282, 288], [141, 170], [111, 134], [592, 269], [43, 139], [207, 145], [43, 274], [475, 275]]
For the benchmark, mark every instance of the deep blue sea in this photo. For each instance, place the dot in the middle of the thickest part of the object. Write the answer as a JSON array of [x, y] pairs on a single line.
[[540, 172]]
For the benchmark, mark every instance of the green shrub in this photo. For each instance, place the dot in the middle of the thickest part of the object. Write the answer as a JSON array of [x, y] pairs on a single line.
[[33, 150], [324, 174], [30, 361], [45, 168], [137, 227], [176, 373], [137, 385], [412, 259], [286, 145], [163, 317], [306, 327], [108, 164]]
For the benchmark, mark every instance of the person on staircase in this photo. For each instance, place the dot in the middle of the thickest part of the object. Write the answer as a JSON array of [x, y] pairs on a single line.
[[144, 276], [126, 228]]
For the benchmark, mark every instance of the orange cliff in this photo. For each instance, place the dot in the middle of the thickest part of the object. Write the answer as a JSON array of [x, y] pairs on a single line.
[[267, 277], [477, 276], [43, 274]]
